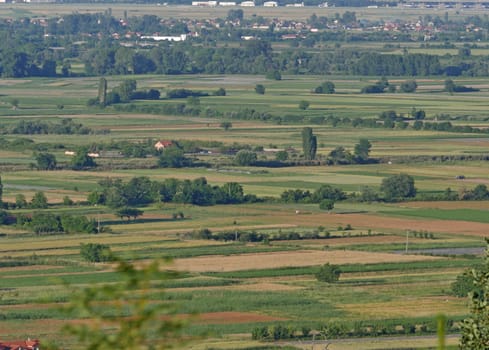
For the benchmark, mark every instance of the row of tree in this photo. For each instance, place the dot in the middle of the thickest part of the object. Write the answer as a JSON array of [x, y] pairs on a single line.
[[41, 222], [142, 191], [393, 188], [31, 127]]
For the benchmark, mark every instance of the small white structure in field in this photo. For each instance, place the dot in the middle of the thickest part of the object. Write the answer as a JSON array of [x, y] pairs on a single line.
[[247, 4], [227, 3], [270, 4]]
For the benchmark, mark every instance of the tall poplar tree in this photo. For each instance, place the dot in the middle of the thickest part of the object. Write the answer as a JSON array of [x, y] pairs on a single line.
[[102, 91], [309, 144]]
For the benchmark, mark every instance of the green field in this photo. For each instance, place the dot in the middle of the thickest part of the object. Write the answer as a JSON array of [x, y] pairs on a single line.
[[237, 286]]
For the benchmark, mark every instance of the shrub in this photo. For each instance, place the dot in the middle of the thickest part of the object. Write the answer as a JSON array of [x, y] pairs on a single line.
[[260, 89], [328, 273], [303, 105], [326, 204], [95, 252]]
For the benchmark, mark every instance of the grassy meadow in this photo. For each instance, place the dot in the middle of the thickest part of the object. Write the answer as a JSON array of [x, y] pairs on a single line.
[[234, 287]]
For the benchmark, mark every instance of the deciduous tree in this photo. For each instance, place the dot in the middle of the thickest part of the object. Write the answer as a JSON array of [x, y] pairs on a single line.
[[46, 161], [39, 200], [328, 273], [475, 328], [245, 157], [260, 89], [362, 150], [398, 187]]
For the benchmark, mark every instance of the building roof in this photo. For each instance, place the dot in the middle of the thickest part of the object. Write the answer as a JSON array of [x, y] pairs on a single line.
[[20, 345]]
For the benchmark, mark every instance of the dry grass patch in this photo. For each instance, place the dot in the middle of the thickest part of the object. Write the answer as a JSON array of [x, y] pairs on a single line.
[[288, 259], [408, 307], [371, 221], [483, 205], [358, 240], [251, 287], [452, 272], [379, 343]]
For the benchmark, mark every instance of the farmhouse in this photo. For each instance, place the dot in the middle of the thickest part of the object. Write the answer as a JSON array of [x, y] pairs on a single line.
[[270, 4], [163, 144], [247, 4], [204, 3], [20, 345]]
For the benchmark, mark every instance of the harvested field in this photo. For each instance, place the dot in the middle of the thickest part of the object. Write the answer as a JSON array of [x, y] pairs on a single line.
[[448, 205], [287, 259], [415, 307], [369, 221], [358, 240]]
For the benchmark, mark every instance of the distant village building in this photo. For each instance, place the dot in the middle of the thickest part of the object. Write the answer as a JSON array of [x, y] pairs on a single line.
[[295, 5], [163, 144], [204, 3], [247, 4], [181, 37], [289, 36], [270, 4], [227, 3]]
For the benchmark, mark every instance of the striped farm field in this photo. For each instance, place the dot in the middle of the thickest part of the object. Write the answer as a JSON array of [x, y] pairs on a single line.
[[288, 259], [225, 285]]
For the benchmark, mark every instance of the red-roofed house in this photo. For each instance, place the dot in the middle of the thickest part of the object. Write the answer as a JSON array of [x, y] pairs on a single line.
[[163, 144], [20, 345]]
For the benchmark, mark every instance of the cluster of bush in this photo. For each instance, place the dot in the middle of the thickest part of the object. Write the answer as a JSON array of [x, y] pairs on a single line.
[[438, 159], [478, 193], [422, 234], [33, 127], [167, 108], [184, 93], [95, 252], [43, 223], [305, 196], [340, 330], [253, 236], [142, 191]]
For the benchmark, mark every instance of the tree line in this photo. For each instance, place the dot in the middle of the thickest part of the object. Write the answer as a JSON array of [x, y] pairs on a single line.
[[32, 127], [27, 51], [142, 191]]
